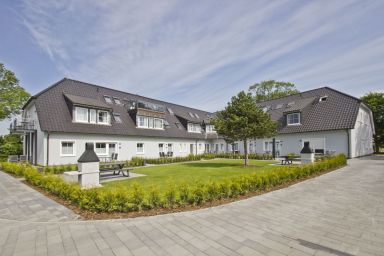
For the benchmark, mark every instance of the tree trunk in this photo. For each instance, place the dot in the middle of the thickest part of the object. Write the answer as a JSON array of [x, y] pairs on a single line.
[[245, 153]]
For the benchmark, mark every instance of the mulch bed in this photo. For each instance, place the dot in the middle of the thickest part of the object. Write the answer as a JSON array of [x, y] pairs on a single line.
[[88, 215]]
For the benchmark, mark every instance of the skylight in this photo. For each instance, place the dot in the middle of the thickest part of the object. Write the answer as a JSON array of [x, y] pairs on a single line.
[[170, 111], [190, 114], [178, 125], [324, 98], [196, 115], [117, 101], [108, 99], [290, 104], [117, 117], [279, 106]]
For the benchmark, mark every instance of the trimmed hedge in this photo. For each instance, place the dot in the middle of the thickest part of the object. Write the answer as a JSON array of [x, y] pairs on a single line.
[[196, 192]]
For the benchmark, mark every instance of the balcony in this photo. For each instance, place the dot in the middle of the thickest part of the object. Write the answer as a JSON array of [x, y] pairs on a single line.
[[146, 109], [23, 126]]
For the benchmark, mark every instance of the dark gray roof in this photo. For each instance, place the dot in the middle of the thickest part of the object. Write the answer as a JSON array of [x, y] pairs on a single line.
[[339, 111], [55, 114], [86, 101]]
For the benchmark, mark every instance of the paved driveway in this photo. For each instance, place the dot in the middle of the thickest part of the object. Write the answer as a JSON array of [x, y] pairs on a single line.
[[340, 213]]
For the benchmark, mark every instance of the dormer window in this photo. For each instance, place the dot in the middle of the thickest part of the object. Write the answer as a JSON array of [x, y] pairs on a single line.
[[92, 116], [195, 128], [209, 128], [149, 122], [102, 117], [117, 101], [322, 99], [108, 99], [293, 119]]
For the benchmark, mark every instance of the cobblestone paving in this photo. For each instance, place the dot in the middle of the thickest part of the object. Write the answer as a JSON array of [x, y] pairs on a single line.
[[340, 213]]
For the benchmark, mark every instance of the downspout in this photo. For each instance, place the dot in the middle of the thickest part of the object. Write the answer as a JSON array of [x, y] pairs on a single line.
[[349, 144], [47, 148]]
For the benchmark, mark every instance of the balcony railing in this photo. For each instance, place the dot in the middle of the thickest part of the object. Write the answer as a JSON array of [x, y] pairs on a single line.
[[134, 105], [25, 125]]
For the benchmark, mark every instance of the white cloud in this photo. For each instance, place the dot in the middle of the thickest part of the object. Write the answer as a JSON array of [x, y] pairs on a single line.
[[182, 51]]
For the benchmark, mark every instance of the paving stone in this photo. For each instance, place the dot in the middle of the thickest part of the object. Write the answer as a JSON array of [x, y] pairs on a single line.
[[339, 213]]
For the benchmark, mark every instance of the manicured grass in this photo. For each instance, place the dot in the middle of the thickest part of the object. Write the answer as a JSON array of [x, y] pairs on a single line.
[[162, 175]]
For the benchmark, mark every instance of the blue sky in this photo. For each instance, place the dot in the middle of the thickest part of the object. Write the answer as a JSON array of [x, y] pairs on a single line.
[[195, 53]]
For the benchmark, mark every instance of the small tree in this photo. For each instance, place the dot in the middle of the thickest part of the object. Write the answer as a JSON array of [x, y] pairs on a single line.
[[242, 120], [12, 95], [375, 101], [271, 89]]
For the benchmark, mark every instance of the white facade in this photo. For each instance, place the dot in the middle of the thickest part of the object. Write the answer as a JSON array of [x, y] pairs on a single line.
[[126, 146], [351, 142]]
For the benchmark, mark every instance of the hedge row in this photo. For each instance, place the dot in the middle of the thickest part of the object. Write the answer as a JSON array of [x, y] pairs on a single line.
[[196, 192]]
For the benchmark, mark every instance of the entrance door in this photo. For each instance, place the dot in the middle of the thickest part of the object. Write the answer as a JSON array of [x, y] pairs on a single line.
[[191, 148]]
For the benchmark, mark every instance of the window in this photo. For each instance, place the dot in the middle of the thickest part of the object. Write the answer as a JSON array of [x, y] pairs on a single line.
[[169, 147], [67, 148], [324, 98], [140, 148], [170, 111], [92, 116], [200, 146], [178, 125], [158, 123], [108, 99], [222, 147], [209, 128], [117, 117], [161, 147], [150, 122], [290, 104], [196, 115], [81, 115], [181, 147], [117, 101], [279, 106], [293, 118], [101, 148], [194, 128], [103, 117]]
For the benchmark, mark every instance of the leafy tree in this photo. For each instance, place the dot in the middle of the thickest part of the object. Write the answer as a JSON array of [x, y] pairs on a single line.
[[271, 89], [11, 144], [12, 95], [242, 120], [375, 101]]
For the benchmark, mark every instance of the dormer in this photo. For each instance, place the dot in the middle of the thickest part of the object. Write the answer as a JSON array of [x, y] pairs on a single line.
[[88, 110], [194, 127], [147, 115], [293, 118]]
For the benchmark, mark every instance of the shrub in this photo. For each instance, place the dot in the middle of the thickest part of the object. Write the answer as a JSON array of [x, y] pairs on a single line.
[[134, 198]]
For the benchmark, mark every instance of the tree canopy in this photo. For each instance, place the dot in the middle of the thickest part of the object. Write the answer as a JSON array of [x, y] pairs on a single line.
[[11, 144], [271, 89], [375, 101], [242, 120], [12, 95]]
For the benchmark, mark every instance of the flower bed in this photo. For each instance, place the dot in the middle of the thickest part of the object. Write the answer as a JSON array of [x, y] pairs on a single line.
[[195, 192]]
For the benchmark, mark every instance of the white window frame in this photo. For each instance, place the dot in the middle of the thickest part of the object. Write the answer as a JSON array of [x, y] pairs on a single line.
[[68, 141], [293, 114], [117, 118], [149, 122], [169, 147], [108, 118], [117, 101], [91, 112], [76, 115], [110, 101], [162, 148], [138, 152], [194, 128]]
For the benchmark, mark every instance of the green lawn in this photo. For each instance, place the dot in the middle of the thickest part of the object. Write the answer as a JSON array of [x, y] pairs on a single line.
[[162, 175]]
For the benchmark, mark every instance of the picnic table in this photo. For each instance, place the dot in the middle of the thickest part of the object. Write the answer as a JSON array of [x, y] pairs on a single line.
[[116, 167], [287, 160]]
